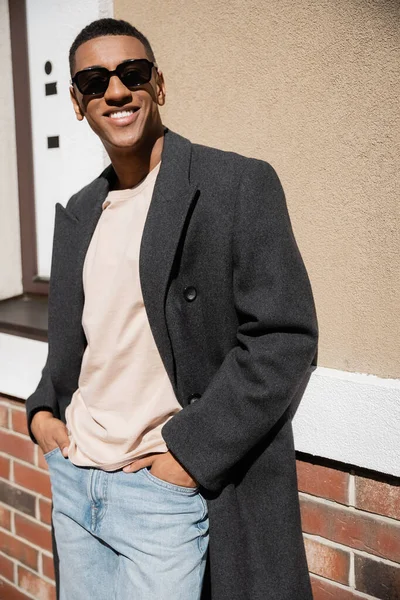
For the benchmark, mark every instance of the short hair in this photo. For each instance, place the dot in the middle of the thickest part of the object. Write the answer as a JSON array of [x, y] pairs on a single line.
[[102, 27]]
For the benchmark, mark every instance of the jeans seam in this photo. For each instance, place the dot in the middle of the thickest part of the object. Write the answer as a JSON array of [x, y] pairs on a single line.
[[104, 500], [202, 533], [116, 581], [205, 507]]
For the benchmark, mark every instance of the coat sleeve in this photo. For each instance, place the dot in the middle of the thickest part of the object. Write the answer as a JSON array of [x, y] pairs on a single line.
[[43, 398], [276, 339]]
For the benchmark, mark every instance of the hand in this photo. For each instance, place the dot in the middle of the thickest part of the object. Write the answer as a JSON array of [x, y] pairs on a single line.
[[50, 432], [164, 466]]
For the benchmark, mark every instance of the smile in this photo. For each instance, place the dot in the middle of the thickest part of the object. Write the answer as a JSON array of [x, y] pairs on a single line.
[[123, 117], [121, 114]]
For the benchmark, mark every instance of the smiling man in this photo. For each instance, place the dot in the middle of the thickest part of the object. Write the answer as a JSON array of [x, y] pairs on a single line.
[[181, 335]]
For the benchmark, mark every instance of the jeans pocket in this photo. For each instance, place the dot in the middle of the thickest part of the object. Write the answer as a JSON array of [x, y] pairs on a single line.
[[47, 455], [168, 485]]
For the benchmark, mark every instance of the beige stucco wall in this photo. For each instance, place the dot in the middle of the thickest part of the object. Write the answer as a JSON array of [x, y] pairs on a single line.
[[10, 256], [312, 87]]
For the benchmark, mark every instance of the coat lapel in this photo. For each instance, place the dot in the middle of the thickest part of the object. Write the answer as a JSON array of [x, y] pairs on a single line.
[[73, 230], [172, 198]]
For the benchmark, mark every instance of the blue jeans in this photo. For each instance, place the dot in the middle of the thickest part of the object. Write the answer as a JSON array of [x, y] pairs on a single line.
[[126, 536]]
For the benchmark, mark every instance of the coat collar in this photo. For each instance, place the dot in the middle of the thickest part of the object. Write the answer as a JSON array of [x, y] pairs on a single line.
[[174, 194]]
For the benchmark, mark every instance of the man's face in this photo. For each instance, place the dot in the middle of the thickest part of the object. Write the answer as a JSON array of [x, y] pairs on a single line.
[[142, 103]]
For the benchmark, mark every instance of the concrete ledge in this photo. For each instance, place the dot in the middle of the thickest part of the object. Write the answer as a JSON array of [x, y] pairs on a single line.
[[351, 418], [346, 417]]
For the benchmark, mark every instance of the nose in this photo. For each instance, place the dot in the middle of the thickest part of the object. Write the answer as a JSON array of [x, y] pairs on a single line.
[[116, 90]]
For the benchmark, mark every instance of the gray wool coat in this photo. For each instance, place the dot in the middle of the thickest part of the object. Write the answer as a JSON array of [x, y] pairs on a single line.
[[232, 313]]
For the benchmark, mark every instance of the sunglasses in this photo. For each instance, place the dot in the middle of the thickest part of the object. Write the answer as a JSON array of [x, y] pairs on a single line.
[[94, 80]]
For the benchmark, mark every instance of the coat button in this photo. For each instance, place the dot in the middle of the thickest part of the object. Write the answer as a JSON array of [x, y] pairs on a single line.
[[190, 293], [193, 397]]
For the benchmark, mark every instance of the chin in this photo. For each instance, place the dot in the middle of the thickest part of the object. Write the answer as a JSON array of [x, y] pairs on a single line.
[[123, 142]]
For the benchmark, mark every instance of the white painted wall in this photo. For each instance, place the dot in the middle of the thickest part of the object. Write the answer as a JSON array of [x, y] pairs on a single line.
[[21, 364], [10, 252], [58, 173], [346, 417], [352, 418]]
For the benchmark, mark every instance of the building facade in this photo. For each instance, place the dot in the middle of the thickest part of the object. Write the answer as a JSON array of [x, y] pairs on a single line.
[[310, 87]]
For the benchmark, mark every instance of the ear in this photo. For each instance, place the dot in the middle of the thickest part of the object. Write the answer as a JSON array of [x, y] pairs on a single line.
[[75, 103], [160, 88]]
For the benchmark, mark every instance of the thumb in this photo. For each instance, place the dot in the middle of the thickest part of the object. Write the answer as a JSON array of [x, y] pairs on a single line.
[[63, 442]]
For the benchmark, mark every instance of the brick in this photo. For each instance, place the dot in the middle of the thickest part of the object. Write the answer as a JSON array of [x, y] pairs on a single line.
[[316, 480], [18, 421], [19, 550], [9, 592], [34, 532], [19, 499], [377, 578], [4, 467], [5, 517], [48, 566], [324, 590], [3, 415], [378, 497], [6, 568], [13, 403], [351, 528], [33, 584], [32, 479], [18, 446], [45, 511], [327, 561]]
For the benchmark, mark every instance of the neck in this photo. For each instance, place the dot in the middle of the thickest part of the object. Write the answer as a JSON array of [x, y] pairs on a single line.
[[131, 165]]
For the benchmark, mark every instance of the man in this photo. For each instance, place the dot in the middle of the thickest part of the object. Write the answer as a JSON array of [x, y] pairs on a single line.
[[181, 335]]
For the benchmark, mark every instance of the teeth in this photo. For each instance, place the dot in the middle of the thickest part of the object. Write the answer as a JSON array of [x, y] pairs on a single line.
[[120, 114]]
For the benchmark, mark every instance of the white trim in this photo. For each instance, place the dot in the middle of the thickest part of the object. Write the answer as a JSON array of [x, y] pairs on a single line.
[[348, 417], [10, 256], [352, 418], [357, 378], [21, 363]]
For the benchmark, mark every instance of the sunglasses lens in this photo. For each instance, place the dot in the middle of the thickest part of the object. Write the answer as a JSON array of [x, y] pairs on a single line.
[[135, 73], [92, 82], [95, 80]]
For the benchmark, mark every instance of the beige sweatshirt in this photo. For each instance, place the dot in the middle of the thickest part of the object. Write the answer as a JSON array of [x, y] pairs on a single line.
[[124, 395]]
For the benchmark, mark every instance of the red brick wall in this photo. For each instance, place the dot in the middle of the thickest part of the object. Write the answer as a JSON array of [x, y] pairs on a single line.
[[26, 565], [351, 523]]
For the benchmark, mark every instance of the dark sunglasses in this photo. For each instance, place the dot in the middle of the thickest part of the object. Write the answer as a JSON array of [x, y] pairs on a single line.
[[94, 80]]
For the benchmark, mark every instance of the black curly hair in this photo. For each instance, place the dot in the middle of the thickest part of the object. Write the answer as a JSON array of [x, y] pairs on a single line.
[[103, 27]]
